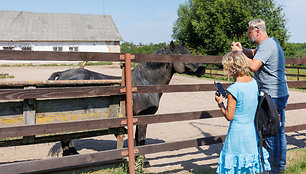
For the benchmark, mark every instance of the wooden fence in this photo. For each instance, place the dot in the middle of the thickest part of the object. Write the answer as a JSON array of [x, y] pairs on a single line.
[[45, 165], [290, 64]]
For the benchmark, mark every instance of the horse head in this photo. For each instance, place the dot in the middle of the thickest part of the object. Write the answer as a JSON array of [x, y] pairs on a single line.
[[197, 69]]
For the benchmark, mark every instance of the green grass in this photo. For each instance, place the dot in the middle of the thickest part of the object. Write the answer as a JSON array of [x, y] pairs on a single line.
[[296, 161], [295, 71], [5, 76], [122, 168]]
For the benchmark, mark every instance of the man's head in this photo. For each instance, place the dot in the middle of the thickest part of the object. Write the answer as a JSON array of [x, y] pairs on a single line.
[[257, 31]]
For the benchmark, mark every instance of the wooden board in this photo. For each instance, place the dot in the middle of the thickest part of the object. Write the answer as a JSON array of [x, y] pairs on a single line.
[[61, 110]]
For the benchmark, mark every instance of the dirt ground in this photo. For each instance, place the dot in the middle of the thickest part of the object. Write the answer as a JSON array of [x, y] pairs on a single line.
[[178, 161]]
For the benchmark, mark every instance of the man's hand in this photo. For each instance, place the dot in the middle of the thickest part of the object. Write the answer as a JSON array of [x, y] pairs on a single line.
[[236, 46]]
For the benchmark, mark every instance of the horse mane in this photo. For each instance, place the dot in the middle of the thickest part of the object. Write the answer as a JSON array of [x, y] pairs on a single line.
[[155, 65]]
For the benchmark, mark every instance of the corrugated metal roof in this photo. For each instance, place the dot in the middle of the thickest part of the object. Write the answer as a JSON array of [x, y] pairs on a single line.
[[28, 26]]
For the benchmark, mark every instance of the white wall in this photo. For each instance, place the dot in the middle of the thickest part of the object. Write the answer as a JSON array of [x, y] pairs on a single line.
[[82, 46]]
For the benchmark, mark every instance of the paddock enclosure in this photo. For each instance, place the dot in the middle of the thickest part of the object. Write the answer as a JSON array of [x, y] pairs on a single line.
[[40, 109]]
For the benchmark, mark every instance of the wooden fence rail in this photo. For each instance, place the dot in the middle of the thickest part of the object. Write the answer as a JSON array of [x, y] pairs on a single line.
[[92, 91], [116, 57]]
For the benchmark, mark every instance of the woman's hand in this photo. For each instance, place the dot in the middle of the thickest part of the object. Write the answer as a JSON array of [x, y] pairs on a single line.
[[218, 97]]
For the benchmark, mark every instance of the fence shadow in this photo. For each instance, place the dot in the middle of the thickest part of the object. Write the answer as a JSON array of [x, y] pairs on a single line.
[[295, 141], [189, 164], [95, 145]]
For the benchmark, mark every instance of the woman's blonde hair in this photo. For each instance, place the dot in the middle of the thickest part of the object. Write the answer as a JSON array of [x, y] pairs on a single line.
[[235, 63]]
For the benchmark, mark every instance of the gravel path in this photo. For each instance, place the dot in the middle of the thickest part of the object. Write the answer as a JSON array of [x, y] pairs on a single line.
[[178, 161]]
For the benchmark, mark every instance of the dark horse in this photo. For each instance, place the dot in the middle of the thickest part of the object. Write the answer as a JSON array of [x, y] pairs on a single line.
[[144, 74]]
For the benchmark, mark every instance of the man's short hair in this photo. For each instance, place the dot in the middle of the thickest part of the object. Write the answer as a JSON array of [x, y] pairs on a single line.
[[259, 24]]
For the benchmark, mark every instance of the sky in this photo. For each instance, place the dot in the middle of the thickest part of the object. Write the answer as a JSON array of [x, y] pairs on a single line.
[[147, 21]]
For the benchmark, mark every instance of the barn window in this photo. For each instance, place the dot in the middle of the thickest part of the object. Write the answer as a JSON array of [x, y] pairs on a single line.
[[8, 48], [74, 49], [26, 48], [57, 48]]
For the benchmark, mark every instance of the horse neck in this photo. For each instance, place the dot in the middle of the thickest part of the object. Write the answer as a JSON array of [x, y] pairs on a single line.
[[153, 73]]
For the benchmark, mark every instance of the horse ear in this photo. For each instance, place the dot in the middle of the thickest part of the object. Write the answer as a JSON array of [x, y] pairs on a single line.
[[179, 67], [172, 46]]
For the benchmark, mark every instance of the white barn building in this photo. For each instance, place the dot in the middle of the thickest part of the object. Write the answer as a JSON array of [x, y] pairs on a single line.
[[58, 32]]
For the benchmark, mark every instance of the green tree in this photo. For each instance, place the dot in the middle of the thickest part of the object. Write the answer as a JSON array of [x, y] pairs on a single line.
[[128, 47], [300, 50], [210, 26]]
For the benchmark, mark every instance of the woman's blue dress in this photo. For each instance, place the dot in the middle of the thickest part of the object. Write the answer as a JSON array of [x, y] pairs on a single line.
[[240, 152]]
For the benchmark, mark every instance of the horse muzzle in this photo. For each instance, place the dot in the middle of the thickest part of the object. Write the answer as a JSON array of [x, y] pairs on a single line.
[[200, 71]]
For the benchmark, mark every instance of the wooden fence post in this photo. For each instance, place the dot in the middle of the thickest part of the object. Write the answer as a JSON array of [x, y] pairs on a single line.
[[29, 116]]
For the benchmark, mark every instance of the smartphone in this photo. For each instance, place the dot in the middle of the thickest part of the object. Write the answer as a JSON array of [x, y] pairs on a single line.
[[220, 89]]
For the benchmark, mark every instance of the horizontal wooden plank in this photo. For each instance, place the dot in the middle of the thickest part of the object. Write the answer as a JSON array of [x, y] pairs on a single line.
[[72, 92], [59, 92], [51, 128], [295, 128], [91, 91], [294, 106], [295, 67], [99, 56], [163, 118], [295, 75], [178, 88], [53, 138], [47, 83], [214, 74], [178, 58], [170, 146], [295, 84], [301, 61]]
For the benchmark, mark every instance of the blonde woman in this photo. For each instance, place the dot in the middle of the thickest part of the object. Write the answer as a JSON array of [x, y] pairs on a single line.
[[240, 152]]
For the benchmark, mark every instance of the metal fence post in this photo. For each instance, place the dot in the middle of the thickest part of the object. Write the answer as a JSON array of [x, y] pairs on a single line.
[[129, 111], [298, 72], [210, 67]]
